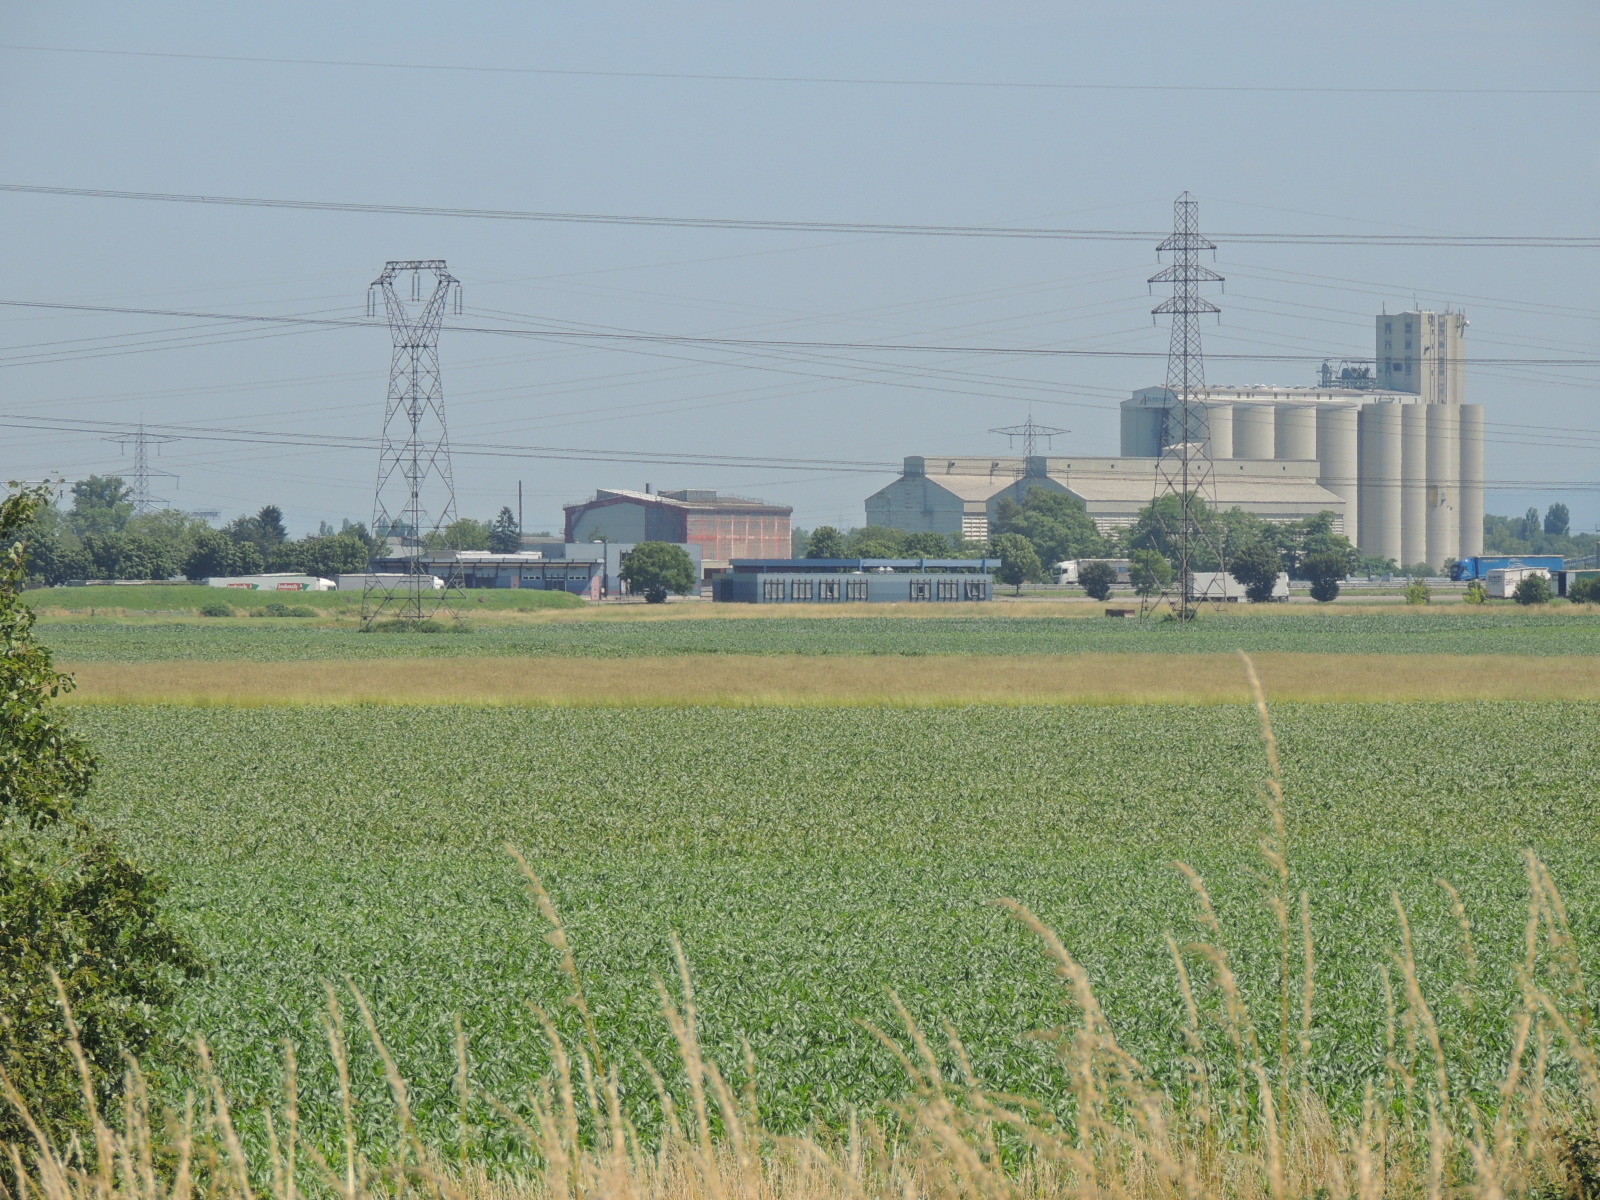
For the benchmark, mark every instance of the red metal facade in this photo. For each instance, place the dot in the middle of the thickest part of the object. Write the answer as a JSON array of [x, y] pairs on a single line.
[[723, 530]]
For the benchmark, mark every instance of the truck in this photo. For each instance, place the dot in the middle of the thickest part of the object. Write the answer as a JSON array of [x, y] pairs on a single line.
[[1218, 585], [1479, 566], [1502, 581], [1067, 572]]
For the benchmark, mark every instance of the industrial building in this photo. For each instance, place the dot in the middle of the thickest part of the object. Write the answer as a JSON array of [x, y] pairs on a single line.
[[856, 580], [1390, 449], [481, 569], [723, 527]]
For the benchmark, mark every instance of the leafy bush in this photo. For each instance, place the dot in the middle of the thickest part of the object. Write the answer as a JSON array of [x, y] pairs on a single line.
[[1585, 591], [216, 608], [77, 920], [1324, 589], [1417, 592], [279, 609], [1532, 589], [1097, 578], [397, 625], [1476, 593]]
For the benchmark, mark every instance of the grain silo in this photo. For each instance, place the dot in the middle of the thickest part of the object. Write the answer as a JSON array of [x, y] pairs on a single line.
[[1254, 431], [1471, 480], [1338, 457], [1444, 476], [1413, 484], [1294, 432], [1379, 499]]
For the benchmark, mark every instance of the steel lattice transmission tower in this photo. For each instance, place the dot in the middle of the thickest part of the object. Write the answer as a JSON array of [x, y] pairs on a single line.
[[1030, 433], [144, 498], [1184, 469], [416, 493]]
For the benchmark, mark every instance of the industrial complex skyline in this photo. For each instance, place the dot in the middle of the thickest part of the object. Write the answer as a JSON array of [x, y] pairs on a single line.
[[733, 298]]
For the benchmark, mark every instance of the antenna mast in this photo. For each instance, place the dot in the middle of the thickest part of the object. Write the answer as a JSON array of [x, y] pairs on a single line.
[[1184, 468], [415, 500]]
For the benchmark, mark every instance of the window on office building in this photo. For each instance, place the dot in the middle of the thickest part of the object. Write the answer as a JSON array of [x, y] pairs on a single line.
[[974, 589], [772, 589], [921, 589], [855, 589], [827, 589], [948, 589], [802, 589]]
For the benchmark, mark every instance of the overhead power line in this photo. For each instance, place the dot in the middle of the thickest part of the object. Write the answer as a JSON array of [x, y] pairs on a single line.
[[864, 228], [557, 332], [836, 80]]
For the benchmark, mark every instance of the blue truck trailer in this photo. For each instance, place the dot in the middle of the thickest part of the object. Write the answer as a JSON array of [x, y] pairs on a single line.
[[1479, 566]]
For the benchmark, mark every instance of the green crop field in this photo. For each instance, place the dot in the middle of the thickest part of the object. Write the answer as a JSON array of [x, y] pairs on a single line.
[[1493, 631], [812, 859]]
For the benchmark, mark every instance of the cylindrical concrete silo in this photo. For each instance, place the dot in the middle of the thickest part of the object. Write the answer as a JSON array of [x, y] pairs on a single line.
[[1413, 484], [1444, 475], [1471, 480], [1295, 433], [1219, 421], [1253, 435], [1337, 456], [1379, 426], [1141, 430]]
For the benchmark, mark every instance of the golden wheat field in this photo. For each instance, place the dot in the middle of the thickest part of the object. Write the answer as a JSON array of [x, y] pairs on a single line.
[[796, 679]]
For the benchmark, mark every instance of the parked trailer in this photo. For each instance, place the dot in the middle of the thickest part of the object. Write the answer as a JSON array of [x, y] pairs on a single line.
[[1502, 581], [1479, 566], [1215, 585], [361, 582], [272, 583]]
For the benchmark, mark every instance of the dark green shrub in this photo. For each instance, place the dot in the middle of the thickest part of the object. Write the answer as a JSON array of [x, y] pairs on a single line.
[[1324, 589], [1532, 589], [75, 915], [216, 608]]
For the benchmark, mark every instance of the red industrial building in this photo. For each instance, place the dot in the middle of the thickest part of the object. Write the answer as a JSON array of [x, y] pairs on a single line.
[[724, 527]]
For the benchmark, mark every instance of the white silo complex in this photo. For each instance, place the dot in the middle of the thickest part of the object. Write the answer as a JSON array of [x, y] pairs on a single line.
[[1444, 477], [1396, 447]]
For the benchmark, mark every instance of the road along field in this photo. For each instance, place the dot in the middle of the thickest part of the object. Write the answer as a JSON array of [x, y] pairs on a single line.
[[810, 859], [900, 680]]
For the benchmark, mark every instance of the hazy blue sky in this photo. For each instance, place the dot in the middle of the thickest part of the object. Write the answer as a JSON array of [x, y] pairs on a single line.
[[1355, 161]]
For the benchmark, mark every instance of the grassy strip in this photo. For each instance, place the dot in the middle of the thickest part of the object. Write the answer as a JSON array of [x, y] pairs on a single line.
[[743, 680], [167, 599]]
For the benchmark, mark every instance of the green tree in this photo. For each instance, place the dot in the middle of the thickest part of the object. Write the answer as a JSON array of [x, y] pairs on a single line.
[[876, 541], [101, 504], [1257, 567], [826, 542], [505, 535], [1325, 570], [72, 908], [329, 556], [1097, 578], [1158, 526], [1532, 589], [464, 533], [1557, 520], [1019, 562], [1055, 522], [925, 545], [1149, 572], [1476, 593], [657, 568], [214, 553]]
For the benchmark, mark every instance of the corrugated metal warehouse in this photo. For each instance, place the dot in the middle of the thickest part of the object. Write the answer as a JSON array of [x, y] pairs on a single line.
[[724, 527]]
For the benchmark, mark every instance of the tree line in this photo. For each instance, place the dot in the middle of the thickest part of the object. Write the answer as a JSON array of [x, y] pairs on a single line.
[[1048, 527], [97, 535]]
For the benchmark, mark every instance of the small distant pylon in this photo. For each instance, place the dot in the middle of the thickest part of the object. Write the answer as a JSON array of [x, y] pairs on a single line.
[[415, 500], [1030, 434], [144, 498], [1184, 467]]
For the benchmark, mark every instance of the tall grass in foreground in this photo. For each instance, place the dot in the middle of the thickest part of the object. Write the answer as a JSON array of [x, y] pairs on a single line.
[[1246, 1121]]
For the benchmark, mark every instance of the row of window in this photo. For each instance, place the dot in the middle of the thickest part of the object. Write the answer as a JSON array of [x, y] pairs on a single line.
[[856, 589]]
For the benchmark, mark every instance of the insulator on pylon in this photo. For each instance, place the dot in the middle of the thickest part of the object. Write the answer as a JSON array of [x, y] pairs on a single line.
[[457, 309]]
